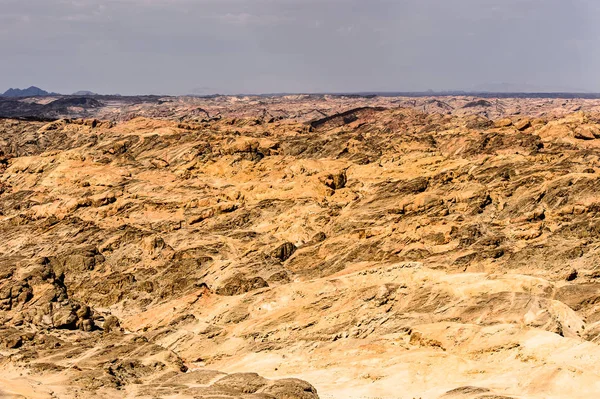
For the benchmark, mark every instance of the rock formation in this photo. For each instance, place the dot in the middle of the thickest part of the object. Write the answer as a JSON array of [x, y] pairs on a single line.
[[373, 251]]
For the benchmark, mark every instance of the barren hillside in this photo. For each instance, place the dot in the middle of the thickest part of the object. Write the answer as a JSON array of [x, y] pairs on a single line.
[[338, 247]]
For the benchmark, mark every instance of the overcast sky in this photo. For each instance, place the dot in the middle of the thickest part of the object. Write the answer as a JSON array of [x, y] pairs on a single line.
[[262, 46]]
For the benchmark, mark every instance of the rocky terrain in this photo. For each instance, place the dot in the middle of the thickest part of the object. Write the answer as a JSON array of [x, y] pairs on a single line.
[[298, 108], [301, 247]]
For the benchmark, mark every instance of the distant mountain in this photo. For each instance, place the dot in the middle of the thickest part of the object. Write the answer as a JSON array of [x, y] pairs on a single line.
[[84, 93], [504, 87], [29, 92]]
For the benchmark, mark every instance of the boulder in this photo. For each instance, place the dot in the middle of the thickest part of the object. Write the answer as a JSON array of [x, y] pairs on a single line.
[[242, 382], [505, 122], [291, 388]]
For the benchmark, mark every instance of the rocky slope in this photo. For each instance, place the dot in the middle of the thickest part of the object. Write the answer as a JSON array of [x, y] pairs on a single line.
[[374, 251]]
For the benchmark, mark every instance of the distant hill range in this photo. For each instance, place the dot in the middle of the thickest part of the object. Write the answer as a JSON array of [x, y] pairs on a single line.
[[84, 93], [29, 92]]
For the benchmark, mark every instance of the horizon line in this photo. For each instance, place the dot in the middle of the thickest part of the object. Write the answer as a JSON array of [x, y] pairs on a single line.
[[427, 93]]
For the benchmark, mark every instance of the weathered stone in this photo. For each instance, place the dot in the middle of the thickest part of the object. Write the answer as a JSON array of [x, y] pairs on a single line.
[[284, 251], [240, 284]]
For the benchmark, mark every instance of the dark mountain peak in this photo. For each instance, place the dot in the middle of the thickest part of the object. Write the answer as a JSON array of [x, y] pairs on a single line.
[[31, 91]]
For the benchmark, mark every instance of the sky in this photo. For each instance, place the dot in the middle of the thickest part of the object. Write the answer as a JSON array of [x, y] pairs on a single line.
[[300, 46]]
